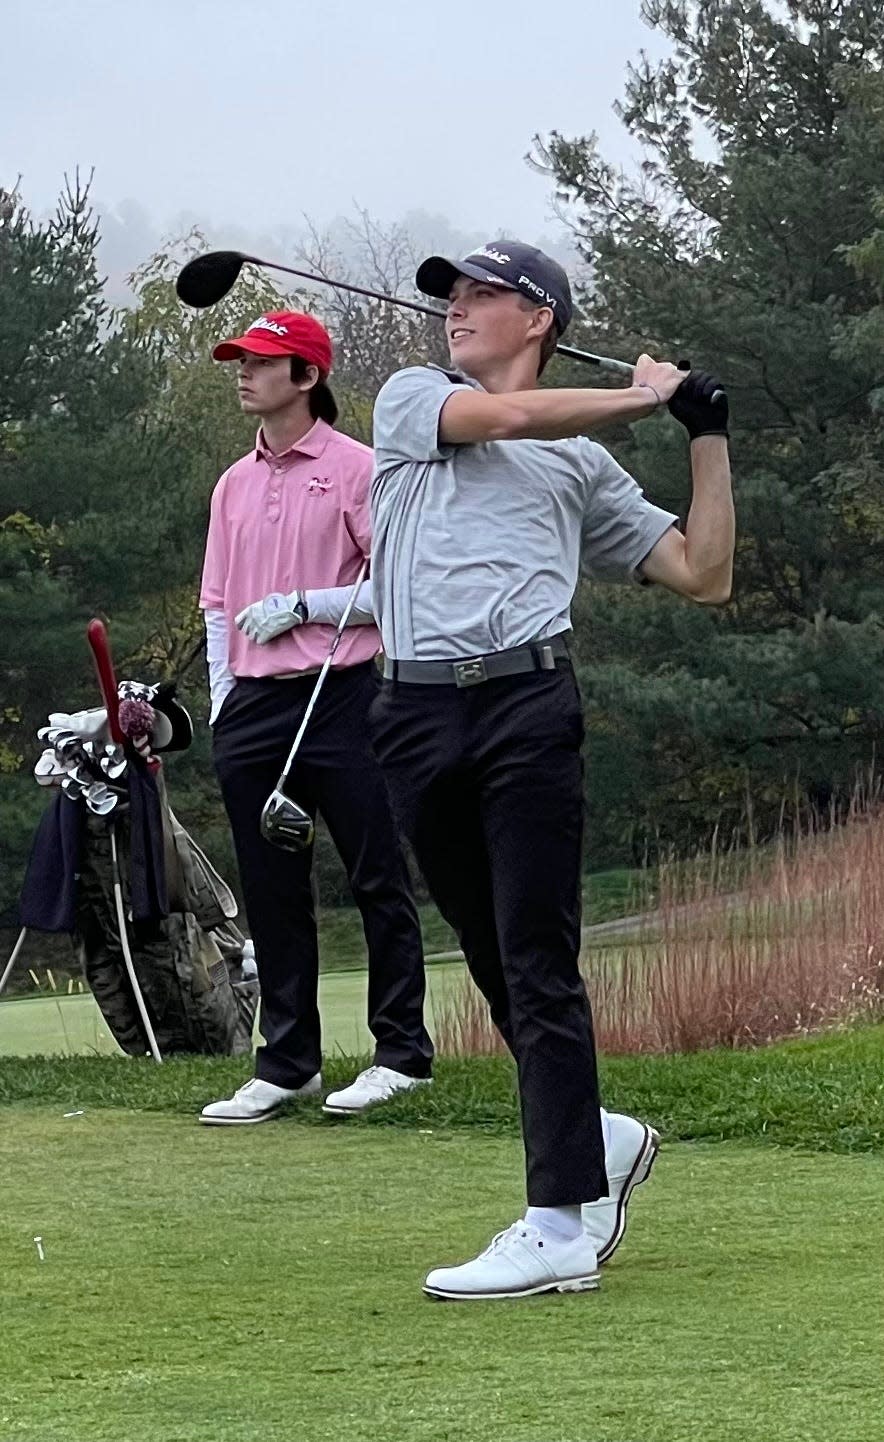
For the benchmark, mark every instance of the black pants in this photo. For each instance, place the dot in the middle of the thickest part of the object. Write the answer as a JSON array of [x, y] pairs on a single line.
[[336, 774], [487, 784]]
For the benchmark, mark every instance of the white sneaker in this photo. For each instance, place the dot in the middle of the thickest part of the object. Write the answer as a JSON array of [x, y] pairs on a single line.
[[519, 1262], [629, 1156], [375, 1084], [256, 1101]]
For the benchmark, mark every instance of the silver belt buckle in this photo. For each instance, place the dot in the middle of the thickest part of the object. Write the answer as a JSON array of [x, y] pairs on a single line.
[[470, 673]]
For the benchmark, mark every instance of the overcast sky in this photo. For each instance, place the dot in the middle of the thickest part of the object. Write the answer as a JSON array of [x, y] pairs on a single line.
[[252, 113]]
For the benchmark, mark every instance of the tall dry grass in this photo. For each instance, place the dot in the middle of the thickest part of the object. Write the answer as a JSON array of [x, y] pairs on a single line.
[[741, 949]]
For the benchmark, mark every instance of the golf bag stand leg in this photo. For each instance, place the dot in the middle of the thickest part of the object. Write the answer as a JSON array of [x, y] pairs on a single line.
[[127, 952], [7, 970]]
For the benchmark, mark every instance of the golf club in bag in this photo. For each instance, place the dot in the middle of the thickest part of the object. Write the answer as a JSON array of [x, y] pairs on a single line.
[[99, 644], [283, 821]]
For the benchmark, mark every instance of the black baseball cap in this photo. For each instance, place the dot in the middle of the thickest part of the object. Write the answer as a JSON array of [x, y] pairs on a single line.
[[507, 263]]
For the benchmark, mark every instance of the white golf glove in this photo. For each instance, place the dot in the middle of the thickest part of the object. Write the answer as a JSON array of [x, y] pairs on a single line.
[[264, 620]]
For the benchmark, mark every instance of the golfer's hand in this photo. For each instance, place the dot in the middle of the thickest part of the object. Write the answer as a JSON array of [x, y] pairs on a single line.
[[264, 620], [661, 377], [694, 406]]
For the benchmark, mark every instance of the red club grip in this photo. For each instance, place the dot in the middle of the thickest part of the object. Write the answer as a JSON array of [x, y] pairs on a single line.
[[97, 636]]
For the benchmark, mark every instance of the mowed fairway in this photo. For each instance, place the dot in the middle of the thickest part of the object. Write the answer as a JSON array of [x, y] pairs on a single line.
[[73, 1025], [216, 1286]]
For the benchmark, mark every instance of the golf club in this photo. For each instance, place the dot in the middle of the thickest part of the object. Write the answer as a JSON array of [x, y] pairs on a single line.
[[99, 644], [208, 278], [283, 822]]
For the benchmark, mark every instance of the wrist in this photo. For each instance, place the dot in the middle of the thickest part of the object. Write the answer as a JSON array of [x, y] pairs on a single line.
[[646, 386], [298, 605], [710, 438], [641, 398]]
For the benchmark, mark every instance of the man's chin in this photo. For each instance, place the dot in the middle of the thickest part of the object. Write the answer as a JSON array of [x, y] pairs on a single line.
[[464, 358]]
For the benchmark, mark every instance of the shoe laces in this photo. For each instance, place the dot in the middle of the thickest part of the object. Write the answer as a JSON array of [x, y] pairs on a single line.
[[518, 1231], [374, 1077]]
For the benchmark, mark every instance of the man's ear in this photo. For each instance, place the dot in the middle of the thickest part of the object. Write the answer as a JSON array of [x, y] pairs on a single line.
[[310, 379], [542, 322]]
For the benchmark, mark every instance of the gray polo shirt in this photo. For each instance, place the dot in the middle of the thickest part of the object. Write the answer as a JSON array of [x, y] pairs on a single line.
[[477, 548]]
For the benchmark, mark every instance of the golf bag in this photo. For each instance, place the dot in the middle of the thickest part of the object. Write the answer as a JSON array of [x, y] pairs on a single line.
[[199, 989], [110, 826]]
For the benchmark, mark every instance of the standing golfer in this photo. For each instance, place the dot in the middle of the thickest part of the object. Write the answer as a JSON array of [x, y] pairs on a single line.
[[292, 514], [486, 500]]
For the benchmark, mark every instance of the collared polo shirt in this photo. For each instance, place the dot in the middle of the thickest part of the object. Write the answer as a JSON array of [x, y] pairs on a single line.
[[478, 548], [294, 521]]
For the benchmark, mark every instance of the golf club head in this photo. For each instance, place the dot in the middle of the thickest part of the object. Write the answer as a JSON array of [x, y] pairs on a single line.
[[99, 799], [285, 824], [72, 788], [207, 278], [68, 745], [47, 771], [112, 764]]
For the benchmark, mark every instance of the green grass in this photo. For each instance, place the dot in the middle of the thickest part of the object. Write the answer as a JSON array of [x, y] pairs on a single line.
[[73, 1025], [606, 896], [826, 1093], [209, 1286]]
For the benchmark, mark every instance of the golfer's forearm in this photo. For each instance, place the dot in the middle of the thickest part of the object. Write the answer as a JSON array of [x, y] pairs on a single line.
[[328, 606], [710, 530], [470, 417], [221, 678]]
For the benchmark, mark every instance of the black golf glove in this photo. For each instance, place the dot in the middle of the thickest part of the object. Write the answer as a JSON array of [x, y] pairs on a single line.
[[694, 406]]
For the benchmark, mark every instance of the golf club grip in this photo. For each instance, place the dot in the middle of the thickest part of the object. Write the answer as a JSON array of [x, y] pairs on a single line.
[[96, 633]]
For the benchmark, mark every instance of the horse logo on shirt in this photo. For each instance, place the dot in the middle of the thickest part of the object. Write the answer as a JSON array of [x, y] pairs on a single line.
[[318, 485]]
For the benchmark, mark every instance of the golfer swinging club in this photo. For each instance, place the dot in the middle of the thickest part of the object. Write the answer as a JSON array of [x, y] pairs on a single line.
[[486, 500], [292, 515]]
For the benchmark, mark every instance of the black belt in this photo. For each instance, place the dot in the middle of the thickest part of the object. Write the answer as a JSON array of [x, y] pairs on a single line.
[[473, 670]]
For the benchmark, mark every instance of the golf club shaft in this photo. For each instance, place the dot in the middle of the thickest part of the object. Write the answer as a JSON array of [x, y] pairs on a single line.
[[607, 363], [127, 953], [99, 643], [7, 970], [326, 665]]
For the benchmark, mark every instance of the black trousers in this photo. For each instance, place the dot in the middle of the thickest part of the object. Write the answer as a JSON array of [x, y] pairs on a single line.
[[486, 782], [337, 774]]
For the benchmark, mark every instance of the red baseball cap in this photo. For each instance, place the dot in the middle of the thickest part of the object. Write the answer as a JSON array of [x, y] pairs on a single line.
[[282, 332]]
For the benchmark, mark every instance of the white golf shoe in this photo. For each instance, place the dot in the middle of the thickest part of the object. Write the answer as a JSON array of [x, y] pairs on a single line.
[[519, 1262], [630, 1151], [257, 1101], [375, 1084]]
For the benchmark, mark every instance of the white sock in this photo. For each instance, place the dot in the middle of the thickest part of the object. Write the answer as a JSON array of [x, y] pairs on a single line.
[[606, 1129], [562, 1223]]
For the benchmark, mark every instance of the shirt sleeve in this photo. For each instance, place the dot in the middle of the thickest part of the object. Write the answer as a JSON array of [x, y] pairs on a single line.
[[221, 678], [213, 586], [328, 606], [406, 416], [620, 527], [357, 515]]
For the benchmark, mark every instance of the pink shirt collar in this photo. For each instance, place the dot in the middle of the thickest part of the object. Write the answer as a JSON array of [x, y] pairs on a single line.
[[312, 443]]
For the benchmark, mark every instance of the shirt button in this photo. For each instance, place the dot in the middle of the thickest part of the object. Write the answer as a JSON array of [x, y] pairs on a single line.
[[274, 495], [277, 469]]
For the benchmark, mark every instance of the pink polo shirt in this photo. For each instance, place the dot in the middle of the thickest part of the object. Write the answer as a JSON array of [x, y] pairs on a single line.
[[295, 521]]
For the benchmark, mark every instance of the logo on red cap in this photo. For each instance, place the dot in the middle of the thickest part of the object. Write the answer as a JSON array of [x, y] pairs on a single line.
[[282, 332]]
